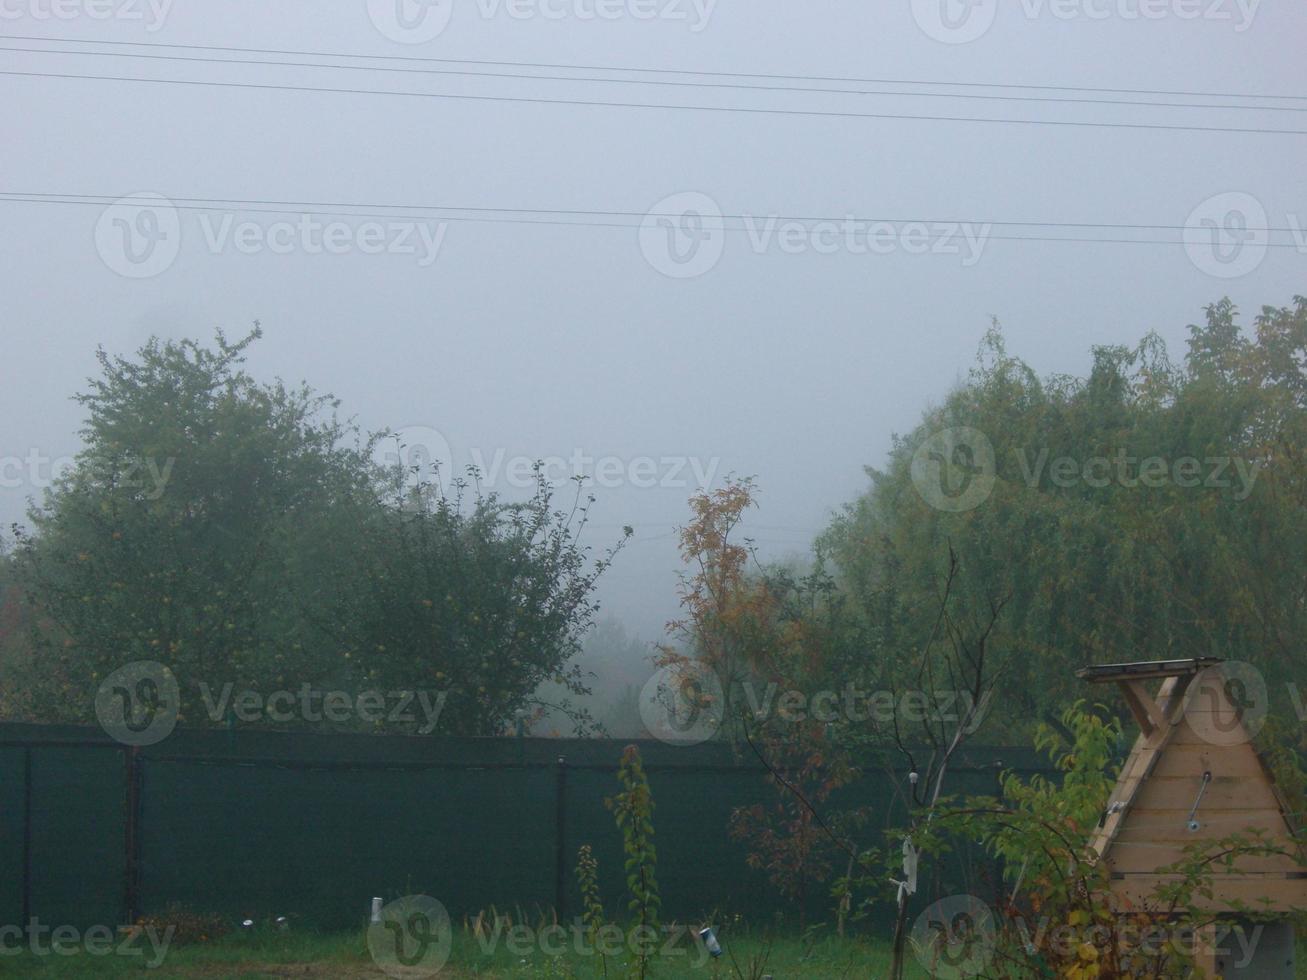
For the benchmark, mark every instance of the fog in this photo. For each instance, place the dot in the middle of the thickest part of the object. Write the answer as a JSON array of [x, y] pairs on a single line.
[[567, 339]]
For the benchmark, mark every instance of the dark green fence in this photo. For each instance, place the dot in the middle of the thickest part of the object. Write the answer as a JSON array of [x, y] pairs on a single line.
[[311, 826]]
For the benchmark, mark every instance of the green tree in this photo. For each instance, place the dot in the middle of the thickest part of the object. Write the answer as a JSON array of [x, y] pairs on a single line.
[[1107, 560], [240, 534], [485, 600], [169, 539]]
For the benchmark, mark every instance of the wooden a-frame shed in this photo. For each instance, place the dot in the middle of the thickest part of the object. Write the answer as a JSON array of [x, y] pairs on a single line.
[[1194, 775]]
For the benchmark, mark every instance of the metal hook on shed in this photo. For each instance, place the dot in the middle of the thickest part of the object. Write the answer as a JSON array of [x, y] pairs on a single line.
[[1193, 823]]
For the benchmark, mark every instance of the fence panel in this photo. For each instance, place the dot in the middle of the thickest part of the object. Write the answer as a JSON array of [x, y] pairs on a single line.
[[314, 827], [13, 804], [79, 828], [699, 868], [318, 843]]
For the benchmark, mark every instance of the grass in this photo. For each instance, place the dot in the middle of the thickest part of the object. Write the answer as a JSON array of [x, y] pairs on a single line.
[[307, 956], [268, 954]]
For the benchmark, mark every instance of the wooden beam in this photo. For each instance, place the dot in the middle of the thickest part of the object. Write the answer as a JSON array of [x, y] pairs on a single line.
[[1148, 716], [1145, 670]]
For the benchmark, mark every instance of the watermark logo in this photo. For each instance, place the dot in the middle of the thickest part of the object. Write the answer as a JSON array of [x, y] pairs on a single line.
[[682, 703], [1129, 471], [954, 470], [419, 710], [860, 236], [412, 937], [685, 704], [694, 14], [144, 944], [1227, 235], [151, 13], [139, 236], [854, 706], [410, 21], [954, 21], [309, 235], [39, 471], [683, 235], [423, 456], [955, 937], [556, 940], [420, 21], [963, 21], [138, 703], [418, 452], [1240, 13], [1228, 703]]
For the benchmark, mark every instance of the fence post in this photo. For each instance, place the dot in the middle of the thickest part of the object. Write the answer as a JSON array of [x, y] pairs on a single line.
[[132, 841], [27, 837], [560, 842]]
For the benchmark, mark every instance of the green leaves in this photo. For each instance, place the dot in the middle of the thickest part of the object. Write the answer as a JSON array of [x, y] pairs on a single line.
[[240, 534], [484, 599], [633, 810], [172, 537], [1147, 505]]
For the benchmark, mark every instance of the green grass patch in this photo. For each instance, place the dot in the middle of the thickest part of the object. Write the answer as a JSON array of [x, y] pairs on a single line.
[[304, 955], [310, 956]]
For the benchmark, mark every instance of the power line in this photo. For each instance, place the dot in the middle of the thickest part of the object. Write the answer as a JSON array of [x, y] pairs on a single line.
[[311, 206], [844, 80], [595, 103], [739, 86], [256, 206]]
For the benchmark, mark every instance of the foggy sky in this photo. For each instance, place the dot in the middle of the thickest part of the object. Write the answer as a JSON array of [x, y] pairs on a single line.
[[545, 340]]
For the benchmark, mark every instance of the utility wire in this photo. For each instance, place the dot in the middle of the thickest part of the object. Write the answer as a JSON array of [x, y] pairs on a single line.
[[655, 81], [330, 211], [337, 208], [254, 207], [596, 103], [843, 80]]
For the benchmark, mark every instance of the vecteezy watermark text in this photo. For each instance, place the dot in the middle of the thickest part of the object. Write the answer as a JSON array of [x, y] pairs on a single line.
[[140, 704], [956, 469], [420, 21], [140, 236], [684, 236], [668, 941], [958, 937], [963, 21], [38, 939], [312, 705], [685, 704], [1130, 471], [851, 704], [151, 13], [424, 455], [38, 471]]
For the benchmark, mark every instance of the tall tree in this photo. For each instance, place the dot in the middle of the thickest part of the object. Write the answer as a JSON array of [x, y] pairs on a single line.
[[240, 534], [168, 540], [483, 600], [1147, 510]]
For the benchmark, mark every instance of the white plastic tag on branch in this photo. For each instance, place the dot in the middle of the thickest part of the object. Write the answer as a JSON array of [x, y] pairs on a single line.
[[908, 886]]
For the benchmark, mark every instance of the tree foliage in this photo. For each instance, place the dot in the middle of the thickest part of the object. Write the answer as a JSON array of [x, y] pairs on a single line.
[[1107, 557], [239, 533]]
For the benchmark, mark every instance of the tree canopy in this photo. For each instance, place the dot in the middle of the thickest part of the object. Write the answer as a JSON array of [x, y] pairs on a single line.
[[239, 533]]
